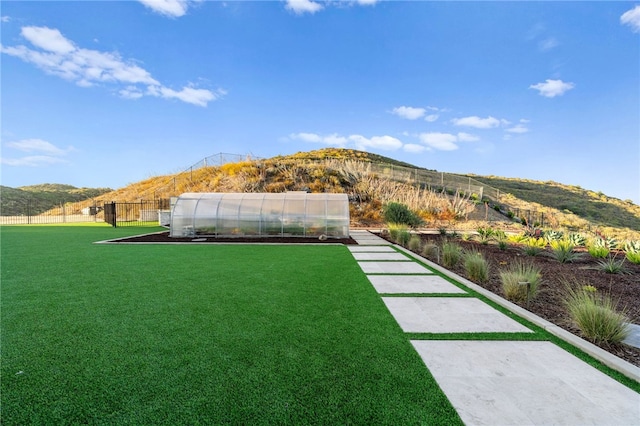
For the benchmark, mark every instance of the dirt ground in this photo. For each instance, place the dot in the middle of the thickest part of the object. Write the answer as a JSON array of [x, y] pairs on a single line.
[[548, 304]]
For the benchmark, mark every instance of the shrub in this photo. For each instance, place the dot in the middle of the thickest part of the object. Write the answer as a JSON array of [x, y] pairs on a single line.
[[612, 266], [403, 237], [534, 246], [451, 254], [578, 240], [598, 251], [633, 257], [400, 214], [476, 266], [431, 250], [596, 316], [501, 238], [520, 272], [414, 243], [485, 235], [394, 230], [562, 251]]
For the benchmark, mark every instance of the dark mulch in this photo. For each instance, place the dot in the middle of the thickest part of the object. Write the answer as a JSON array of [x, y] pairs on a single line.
[[548, 304], [163, 237]]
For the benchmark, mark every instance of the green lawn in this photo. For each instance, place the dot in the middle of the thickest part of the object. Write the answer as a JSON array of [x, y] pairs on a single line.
[[195, 334]]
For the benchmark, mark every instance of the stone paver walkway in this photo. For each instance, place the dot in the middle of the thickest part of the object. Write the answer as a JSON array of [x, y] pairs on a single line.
[[490, 382]]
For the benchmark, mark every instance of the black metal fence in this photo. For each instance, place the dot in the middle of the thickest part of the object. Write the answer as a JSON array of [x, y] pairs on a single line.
[[139, 213], [33, 211]]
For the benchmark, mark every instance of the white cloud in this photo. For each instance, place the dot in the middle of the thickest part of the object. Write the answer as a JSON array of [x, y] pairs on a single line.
[[47, 152], [439, 141], [37, 145], [632, 19], [86, 67], [386, 143], [518, 128], [366, 2], [32, 161], [47, 39], [331, 140], [431, 118], [552, 88], [410, 113], [466, 137], [5, 19], [548, 44], [170, 8], [477, 122], [303, 6], [414, 148]]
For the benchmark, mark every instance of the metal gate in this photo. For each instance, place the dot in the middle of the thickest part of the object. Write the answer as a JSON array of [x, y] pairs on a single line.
[[139, 213]]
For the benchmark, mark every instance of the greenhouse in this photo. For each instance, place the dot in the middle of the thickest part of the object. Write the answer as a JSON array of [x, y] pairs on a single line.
[[285, 214]]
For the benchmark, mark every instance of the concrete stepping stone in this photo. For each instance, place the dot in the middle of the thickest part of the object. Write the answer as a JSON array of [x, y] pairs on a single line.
[[633, 339], [381, 256], [449, 315], [393, 268], [371, 249], [412, 284], [525, 383]]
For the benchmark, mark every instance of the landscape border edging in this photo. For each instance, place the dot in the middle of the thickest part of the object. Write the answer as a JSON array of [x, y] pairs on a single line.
[[616, 363]]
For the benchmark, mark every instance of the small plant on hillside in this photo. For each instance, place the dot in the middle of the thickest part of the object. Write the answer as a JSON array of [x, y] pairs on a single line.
[[612, 266], [400, 214], [501, 238], [414, 243], [632, 251], [562, 251], [394, 230], [404, 236], [451, 254], [515, 278], [485, 234], [431, 251], [578, 240], [518, 238], [534, 246], [599, 251], [597, 316], [476, 266], [552, 235]]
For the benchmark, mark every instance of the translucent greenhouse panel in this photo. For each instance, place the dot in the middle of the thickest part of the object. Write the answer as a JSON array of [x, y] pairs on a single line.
[[271, 214], [204, 222], [228, 214], [293, 214], [316, 216], [182, 218], [337, 215], [249, 218]]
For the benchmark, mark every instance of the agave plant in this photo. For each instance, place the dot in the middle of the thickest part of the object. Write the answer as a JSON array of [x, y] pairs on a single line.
[[553, 235], [577, 240]]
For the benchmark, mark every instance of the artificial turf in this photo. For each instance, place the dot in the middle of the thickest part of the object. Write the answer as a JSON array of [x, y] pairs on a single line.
[[199, 334]]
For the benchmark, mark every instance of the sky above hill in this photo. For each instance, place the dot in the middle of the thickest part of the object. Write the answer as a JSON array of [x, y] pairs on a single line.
[[102, 94]]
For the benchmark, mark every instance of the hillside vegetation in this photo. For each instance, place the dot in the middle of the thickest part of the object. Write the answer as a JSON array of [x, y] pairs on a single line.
[[372, 180], [365, 177], [43, 197], [593, 206]]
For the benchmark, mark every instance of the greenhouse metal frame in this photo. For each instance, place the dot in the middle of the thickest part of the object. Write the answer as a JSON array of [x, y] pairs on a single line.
[[287, 214]]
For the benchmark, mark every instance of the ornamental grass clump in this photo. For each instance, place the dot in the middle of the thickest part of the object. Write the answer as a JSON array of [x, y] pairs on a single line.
[[414, 243], [451, 254], [430, 251], [597, 316], [476, 266], [612, 266], [563, 251], [520, 281], [534, 246]]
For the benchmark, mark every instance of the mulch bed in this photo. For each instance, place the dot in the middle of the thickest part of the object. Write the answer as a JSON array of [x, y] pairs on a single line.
[[548, 304], [163, 237]]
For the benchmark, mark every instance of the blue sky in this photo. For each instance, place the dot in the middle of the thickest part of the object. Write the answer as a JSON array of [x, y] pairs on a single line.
[[110, 93]]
